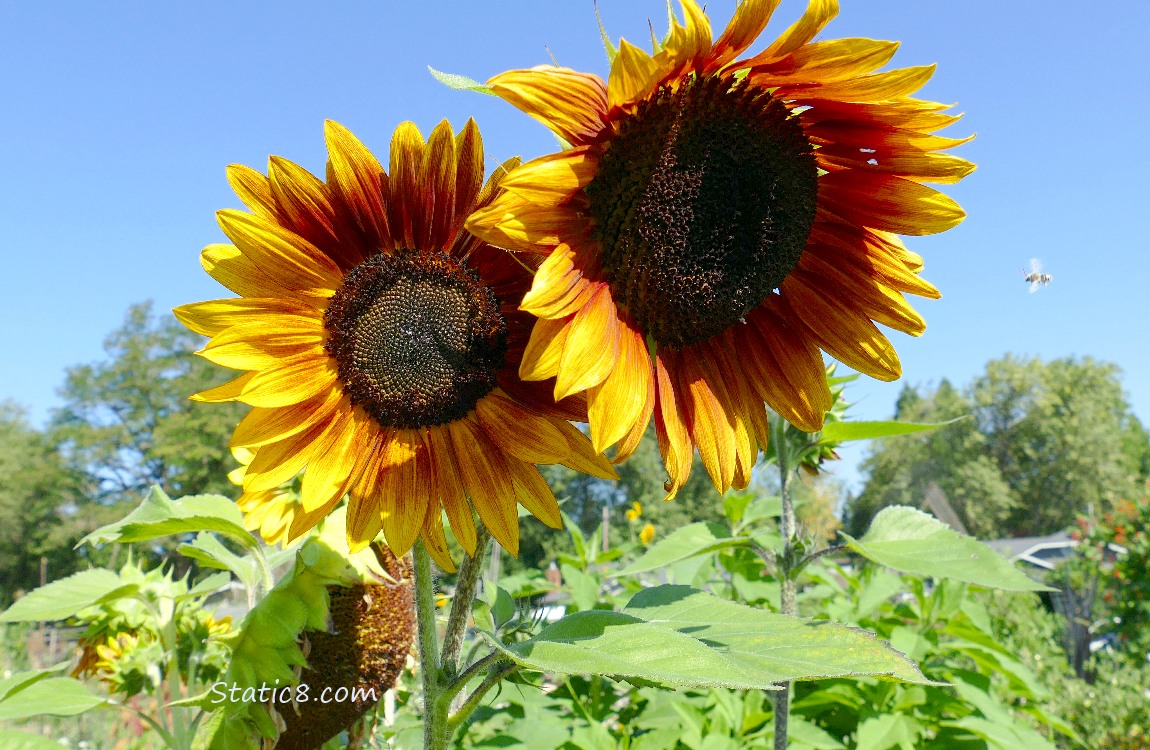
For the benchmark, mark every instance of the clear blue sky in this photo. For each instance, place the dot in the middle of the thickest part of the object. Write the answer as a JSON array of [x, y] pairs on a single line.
[[117, 120]]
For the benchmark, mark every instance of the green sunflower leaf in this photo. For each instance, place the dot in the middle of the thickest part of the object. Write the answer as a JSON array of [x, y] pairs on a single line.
[[689, 541], [682, 637], [54, 696], [10, 739], [461, 83], [208, 550], [62, 599], [911, 541], [841, 432], [158, 515]]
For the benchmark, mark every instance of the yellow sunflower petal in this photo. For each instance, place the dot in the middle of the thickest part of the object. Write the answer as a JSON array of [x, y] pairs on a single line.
[[592, 346], [261, 426], [688, 45], [818, 14], [616, 404], [880, 303], [332, 468], [212, 317], [572, 104], [286, 258], [872, 88], [364, 521], [291, 381], [751, 17], [833, 60], [227, 265], [552, 179], [436, 541], [712, 430], [276, 463], [409, 188], [634, 74], [229, 391], [544, 349]]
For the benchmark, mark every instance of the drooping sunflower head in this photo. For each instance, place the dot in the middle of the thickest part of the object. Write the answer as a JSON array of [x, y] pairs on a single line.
[[381, 345], [717, 223]]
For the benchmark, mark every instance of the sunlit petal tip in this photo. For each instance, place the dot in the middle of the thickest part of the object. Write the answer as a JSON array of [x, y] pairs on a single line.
[[634, 74]]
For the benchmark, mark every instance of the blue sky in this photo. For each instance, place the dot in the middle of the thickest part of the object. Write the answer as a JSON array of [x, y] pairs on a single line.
[[119, 118]]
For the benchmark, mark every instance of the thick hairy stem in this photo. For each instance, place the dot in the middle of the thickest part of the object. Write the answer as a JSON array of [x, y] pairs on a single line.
[[435, 732], [786, 574], [465, 586], [473, 700]]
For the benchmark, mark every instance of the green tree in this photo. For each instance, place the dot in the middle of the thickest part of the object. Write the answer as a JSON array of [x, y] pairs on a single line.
[[127, 421], [1046, 441], [38, 503]]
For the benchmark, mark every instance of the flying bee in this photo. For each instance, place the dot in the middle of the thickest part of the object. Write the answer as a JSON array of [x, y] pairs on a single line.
[[1035, 276]]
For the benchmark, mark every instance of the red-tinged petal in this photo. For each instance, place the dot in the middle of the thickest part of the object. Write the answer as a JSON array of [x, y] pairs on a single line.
[[439, 166], [887, 203], [592, 346], [630, 442], [619, 402], [784, 367], [409, 191], [254, 189], [822, 62], [532, 492], [943, 169], [572, 104], [468, 170], [880, 303], [843, 332], [671, 429], [514, 223], [450, 488], [359, 180], [405, 494], [308, 209], [364, 520], [487, 478], [712, 431], [331, 469], [877, 87]]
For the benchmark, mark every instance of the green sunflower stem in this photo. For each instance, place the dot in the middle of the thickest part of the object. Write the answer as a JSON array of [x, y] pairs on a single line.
[[465, 587], [435, 729], [787, 568]]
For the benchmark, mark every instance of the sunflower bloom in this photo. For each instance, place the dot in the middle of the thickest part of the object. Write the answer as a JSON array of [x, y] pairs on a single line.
[[269, 512], [717, 221], [380, 346]]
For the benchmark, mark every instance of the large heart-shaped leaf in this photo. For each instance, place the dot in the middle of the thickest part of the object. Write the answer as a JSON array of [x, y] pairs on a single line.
[[64, 598], [158, 515], [909, 540], [55, 696], [678, 636]]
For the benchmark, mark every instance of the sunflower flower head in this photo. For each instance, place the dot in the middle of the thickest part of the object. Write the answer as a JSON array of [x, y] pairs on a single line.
[[380, 345], [719, 221]]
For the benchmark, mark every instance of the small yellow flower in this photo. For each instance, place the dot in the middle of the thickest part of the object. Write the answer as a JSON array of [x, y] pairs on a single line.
[[647, 534], [635, 511]]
